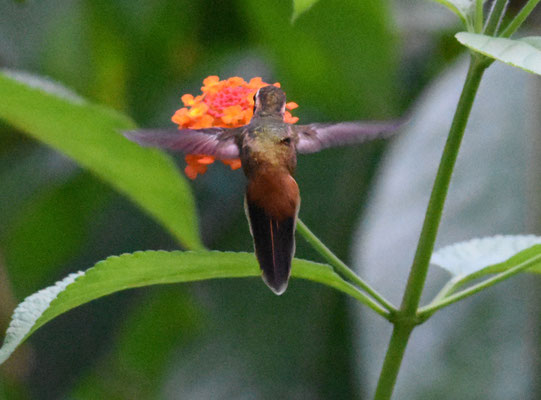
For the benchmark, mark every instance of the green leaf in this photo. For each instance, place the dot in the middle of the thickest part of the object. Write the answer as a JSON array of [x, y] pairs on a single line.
[[505, 256], [523, 53], [478, 257], [519, 258], [143, 269], [50, 229], [89, 134], [301, 6]]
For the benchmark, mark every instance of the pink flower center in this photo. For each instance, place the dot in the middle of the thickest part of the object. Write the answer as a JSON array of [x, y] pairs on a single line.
[[227, 97]]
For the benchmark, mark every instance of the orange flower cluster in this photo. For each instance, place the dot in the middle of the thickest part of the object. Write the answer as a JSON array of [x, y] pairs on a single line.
[[228, 103]]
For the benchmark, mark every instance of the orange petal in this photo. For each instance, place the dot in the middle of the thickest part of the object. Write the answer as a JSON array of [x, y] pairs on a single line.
[[232, 114], [198, 159], [256, 82], [247, 116], [289, 118], [233, 164], [204, 121], [235, 81], [187, 99], [190, 172], [205, 160], [291, 105], [211, 80], [181, 118], [198, 110], [250, 100], [196, 164]]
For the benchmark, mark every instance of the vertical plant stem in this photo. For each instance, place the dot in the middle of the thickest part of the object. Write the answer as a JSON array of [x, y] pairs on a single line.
[[478, 16], [520, 18], [406, 318], [425, 247], [393, 360], [496, 14]]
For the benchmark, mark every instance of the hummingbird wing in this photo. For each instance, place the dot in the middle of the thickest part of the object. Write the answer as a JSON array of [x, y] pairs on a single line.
[[316, 137], [218, 142]]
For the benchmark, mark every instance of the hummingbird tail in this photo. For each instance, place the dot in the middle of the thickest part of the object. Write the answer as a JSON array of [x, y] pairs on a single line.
[[274, 242]]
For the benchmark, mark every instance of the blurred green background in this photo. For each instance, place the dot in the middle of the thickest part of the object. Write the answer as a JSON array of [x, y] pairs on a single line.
[[342, 60]]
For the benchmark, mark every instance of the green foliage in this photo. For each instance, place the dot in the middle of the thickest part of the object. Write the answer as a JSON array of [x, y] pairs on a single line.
[[338, 60], [34, 253], [529, 256], [90, 134], [143, 269], [526, 260], [490, 255], [144, 346], [502, 256], [141, 62], [348, 66], [301, 6], [465, 9], [523, 53]]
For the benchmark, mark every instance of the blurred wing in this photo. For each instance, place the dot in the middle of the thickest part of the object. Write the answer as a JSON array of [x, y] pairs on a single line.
[[218, 142], [316, 137]]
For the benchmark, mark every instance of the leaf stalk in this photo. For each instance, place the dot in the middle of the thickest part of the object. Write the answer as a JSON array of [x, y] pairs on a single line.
[[341, 268], [495, 17], [438, 304], [519, 18]]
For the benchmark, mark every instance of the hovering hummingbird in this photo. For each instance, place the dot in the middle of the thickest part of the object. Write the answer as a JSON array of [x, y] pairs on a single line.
[[267, 148]]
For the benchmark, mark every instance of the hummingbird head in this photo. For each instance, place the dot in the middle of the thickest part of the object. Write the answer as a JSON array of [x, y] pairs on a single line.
[[270, 100]]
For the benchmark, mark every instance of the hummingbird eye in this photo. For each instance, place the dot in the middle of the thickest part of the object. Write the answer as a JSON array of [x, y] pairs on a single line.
[[286, 141]]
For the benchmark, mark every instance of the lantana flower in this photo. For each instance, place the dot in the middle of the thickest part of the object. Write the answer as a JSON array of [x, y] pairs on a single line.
[[225, 103]]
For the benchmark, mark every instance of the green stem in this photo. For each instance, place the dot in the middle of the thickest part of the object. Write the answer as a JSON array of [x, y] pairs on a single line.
[[519, 19], [425, 247], [452, 285], [437, 305], [393, 360], [340, 267], [406, 318], [495, 17], [368, 301], [447, 290], [478, 16]]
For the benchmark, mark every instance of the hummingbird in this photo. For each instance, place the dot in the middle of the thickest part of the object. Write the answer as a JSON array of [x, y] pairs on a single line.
[[267, 147]]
